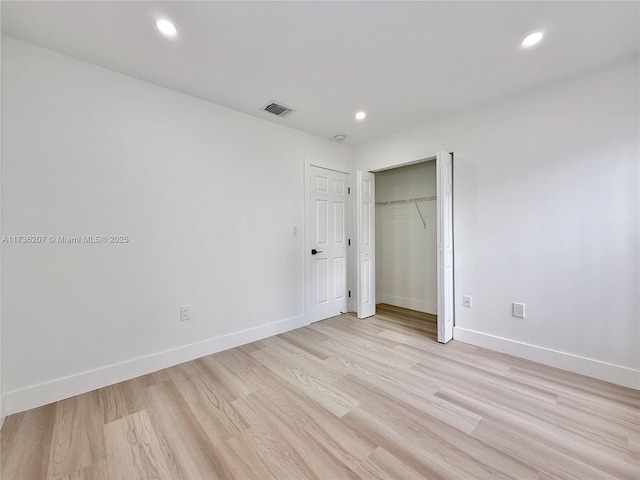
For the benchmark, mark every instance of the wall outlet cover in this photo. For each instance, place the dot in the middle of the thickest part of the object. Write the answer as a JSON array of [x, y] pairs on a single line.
[[185, 313], [518, 310]]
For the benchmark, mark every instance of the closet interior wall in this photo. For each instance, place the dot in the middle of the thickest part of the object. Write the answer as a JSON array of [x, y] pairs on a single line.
[[406, 262]]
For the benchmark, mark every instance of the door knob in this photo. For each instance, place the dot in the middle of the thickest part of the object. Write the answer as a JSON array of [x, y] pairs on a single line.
[[314, 251]]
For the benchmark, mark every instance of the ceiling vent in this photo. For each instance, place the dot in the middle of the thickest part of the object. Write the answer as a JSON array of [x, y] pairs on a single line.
[[278, 109]]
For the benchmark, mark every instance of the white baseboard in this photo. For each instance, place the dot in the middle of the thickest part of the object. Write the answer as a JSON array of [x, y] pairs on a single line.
[[410, 303], [2, 414], [608, 372], [61, 388]]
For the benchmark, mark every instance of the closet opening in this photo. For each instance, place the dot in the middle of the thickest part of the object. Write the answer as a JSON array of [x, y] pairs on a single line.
[[406, 248], [404, 226]]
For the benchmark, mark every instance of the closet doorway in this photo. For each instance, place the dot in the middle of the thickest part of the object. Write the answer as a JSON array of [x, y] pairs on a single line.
[[404, 226], [406, 237]]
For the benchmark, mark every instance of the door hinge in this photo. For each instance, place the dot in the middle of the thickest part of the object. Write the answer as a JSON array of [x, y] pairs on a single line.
[[348, 190], [349, 293]]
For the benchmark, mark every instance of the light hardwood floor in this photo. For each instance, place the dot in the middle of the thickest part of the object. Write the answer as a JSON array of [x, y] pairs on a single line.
[[341, 399]]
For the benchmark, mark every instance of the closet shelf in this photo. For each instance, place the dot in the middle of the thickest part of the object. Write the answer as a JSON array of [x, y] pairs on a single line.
[[414, 201], [409, 200]]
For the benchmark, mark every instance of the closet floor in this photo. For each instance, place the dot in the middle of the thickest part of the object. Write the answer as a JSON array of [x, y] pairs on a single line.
[[342, 398]]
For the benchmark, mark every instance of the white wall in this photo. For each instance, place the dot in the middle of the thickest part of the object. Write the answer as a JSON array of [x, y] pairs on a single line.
[[410, 181], [207, 196], [406, 269], [546, 205]]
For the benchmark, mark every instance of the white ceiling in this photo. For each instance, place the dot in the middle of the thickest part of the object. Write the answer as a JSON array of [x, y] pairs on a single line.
[[403, 62]]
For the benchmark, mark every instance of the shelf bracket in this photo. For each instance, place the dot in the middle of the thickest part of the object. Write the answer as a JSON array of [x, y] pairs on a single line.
[[424, 224]]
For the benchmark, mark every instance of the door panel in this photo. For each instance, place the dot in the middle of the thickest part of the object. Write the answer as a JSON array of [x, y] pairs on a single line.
[[322, 281], [322, 183], [444, 173], [339, 223], [328, 225], [322, 222], [340, 273], [366, 244]]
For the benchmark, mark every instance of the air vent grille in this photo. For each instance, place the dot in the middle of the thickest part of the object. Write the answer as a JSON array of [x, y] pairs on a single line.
[[277, 109]]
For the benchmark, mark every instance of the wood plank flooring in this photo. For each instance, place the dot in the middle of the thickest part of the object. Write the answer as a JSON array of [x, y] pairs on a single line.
[[340, 399]]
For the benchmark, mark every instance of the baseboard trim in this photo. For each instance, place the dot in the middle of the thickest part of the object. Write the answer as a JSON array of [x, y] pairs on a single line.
[[608, 372], [410, 303], [61, 388], [2, 414]]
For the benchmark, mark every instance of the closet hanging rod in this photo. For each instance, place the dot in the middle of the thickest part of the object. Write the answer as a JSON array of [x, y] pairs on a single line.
[[409, 200]]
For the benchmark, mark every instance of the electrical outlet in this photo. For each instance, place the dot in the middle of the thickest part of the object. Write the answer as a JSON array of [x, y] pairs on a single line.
[[466, 301], [185, 313], [518, 310], [294, 231]]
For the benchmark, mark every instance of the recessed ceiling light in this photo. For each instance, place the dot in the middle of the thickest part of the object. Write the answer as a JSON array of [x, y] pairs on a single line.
[[167, 28], [532, 39], [360, 115]]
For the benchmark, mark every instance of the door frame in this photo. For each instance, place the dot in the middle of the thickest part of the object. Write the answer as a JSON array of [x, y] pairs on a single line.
[[438, 193], [311, 162]]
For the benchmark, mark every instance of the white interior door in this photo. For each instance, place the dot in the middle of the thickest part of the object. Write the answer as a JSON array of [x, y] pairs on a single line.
[[444, 178], [328, 239], [366, 218]]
